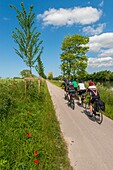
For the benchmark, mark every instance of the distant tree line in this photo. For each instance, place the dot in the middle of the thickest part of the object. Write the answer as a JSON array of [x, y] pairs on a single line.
[[100, 76]]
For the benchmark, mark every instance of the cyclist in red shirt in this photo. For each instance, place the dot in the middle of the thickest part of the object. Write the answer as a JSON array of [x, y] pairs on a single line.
[[92, 90]]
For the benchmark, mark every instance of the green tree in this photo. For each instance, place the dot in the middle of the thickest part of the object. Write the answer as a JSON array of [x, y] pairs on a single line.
[[27, 38], [50, 75], [25, 73], [40, 68], [73, 57], [101, 76]]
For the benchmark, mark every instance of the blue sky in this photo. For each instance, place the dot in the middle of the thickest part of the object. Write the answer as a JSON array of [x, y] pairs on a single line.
[[55, 19]]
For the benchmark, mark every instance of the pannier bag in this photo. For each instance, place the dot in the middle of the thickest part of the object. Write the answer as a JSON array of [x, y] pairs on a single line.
[[99, 105], [102, 105], [96, 105]]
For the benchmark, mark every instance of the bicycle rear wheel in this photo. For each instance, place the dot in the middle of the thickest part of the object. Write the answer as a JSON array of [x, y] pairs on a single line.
[[72, 104], [99, 117], [66, 96]]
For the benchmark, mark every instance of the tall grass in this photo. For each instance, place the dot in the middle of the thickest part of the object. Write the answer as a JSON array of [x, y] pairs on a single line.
[[107, 96], [30, 136]]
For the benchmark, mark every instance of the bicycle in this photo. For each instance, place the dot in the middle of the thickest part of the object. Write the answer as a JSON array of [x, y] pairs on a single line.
[[66, 96], [85, 101], [71, 103], [98, 107]]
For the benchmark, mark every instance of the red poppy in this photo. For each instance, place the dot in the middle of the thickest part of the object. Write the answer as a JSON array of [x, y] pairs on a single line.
[[30, 112], [36, 161], [35, 153], [28, 134]]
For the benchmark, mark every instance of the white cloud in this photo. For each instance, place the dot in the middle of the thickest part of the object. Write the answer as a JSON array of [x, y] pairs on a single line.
[[103, 45], [105, 53], [90, 30], [100, 62], [102, 41], [77, 15]]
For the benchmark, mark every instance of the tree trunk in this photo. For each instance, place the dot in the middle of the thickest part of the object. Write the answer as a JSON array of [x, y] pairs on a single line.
[[30, 72]]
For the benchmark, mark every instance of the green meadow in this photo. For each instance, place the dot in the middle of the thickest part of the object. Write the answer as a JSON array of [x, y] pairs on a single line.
[[30, 135]]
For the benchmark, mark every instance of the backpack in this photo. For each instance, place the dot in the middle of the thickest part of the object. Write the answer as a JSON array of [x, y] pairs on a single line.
[[71, 88], [95, 94]]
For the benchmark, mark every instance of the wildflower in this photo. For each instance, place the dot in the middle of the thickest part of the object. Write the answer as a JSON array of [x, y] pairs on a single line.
[[28, 134], [35, 153], [49, 114], [36, 161], [30, 112]]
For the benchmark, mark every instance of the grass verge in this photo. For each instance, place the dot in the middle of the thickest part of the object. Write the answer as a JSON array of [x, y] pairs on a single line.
[[30, 136]]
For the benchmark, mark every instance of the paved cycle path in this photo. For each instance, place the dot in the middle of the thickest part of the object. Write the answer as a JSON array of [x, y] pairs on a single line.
[[90, 145]]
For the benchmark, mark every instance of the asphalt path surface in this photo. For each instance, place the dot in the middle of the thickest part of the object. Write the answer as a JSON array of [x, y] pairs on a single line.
[[90, 145]]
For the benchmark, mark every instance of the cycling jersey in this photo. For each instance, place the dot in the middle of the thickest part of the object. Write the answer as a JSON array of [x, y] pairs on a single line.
[[75, 84], [81, 86], [93, 93], [81, 89]]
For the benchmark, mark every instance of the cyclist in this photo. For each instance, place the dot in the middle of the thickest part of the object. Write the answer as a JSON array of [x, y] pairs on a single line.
[[66, 84], [81, 90], [71, 91], [75, 84], [92, 90]]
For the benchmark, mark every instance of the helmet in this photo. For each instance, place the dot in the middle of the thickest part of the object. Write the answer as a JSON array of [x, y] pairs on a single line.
[[91, 83], [80, 81]]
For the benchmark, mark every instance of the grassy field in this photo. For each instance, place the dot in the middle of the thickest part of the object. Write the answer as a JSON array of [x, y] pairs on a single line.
[[105, 94], [30, 136]]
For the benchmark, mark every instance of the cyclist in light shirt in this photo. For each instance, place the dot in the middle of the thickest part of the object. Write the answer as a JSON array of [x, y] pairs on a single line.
[[81, 90]]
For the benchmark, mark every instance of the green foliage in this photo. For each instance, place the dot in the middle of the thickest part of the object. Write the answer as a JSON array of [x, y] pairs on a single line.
[[27, 38], [107, 97], [25, 73], [73, 57], [50, 75], [30, 126], [57, 82], [39, 67], [101, 76]]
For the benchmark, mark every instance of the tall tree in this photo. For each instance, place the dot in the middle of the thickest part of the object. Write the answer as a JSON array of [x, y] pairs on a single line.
[[73, 57], [50, 75], [40, 68], [27, 38]]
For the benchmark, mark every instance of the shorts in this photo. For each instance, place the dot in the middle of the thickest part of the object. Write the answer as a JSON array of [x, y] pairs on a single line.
[[75, 88], [93, 99], [72, 92], [81, 91]]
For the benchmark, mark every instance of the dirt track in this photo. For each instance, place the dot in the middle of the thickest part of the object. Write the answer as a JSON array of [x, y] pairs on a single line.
[[90, 145]]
